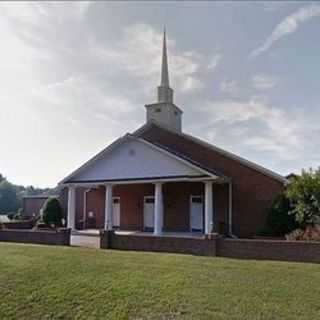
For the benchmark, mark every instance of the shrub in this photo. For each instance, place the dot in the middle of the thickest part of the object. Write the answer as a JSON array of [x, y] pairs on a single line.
[[52, 213], [279, 220], [304, 195]]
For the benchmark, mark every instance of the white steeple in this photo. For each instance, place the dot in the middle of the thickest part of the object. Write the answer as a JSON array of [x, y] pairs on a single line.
[[165, 93], [164, 111]]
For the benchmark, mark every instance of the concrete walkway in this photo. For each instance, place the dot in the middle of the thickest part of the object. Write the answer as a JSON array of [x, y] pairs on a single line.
[[87, 241]]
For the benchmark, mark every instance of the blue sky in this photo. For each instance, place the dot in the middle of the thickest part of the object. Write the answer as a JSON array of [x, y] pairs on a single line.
[[75, 76]]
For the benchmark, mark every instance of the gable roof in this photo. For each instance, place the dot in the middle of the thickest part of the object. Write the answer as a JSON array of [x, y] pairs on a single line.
[[129, 137], [139, 133]]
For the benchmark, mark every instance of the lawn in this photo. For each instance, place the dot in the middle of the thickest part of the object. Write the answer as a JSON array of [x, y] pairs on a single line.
[[42, 282]]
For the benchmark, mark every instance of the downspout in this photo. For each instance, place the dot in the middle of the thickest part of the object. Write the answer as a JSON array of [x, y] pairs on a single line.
[[230, 211], [85, 207]]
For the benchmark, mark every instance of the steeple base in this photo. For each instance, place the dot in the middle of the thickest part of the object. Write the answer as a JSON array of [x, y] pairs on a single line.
[[165, 113]]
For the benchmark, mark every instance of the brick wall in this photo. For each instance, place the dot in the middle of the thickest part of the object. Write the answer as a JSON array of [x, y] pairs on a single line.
[[31, 206], [197, 246], [59, 237], [131, 204], [298, 251], [253, 191], [24, 224], [95, 202], [282, 250]]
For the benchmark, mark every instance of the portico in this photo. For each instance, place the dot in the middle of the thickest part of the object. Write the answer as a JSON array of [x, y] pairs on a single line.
[[171, 213]]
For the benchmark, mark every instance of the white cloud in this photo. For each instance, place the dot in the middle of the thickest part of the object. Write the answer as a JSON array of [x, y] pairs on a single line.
[[287, 26], [140, 43], [215, 61], [263, 81], [77, 93], [229, 86], [257, 126]]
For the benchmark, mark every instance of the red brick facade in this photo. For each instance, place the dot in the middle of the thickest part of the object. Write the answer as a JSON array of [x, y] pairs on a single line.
[[253, 191]]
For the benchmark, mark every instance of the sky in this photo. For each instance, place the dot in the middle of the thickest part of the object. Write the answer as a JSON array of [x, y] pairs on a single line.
[[74, 76]]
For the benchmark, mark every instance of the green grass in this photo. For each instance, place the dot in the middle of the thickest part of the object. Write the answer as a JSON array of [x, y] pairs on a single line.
[[42, 282]]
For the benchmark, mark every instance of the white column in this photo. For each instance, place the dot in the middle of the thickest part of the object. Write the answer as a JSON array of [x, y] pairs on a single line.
[[208, 211], [108, 208], [71, 207], [158, 208]]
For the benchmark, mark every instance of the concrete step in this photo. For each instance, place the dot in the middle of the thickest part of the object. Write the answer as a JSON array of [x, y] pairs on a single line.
[[87, 241]]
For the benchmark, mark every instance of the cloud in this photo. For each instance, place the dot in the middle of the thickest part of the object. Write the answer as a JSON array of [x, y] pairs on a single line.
[[263, 81], [140, 43], [78, 93], [230, 87], [287, 26], [215, 61], [257, 126]]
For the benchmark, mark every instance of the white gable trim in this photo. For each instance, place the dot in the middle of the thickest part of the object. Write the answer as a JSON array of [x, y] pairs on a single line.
[[127, 137], [228, 154]]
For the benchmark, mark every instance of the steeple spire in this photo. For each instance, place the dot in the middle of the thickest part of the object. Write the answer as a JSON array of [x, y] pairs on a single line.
[[164, 111], [165, 93], [164, 67]]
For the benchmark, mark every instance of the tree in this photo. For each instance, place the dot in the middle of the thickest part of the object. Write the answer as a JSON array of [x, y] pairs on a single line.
[[11, 195], [279, 220], [304, 195], [9, 200], [52, 213]]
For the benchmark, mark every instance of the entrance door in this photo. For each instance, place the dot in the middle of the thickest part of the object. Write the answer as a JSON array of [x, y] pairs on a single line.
[[148, 213], [196, 213], [116, 212]]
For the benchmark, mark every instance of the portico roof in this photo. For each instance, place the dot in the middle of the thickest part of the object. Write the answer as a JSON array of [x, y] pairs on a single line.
[[130, 159]]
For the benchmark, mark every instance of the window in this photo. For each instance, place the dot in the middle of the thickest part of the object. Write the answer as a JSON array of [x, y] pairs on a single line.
[[197, 199], [157, 110], [149, 200], [176, 113]]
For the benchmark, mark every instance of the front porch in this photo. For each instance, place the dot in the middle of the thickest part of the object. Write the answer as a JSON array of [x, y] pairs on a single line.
[[189, 208]]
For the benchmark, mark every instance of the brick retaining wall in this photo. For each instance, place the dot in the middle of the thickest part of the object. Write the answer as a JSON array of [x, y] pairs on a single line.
[[190, 245], [23, 224], [300, 251], [59, 237]]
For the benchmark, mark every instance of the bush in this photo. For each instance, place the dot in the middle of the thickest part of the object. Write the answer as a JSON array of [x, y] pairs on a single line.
[[279, 220], [52, 213], [304, 195]]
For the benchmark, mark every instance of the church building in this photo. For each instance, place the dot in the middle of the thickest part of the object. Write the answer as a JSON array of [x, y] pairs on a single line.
[[159, 180]]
